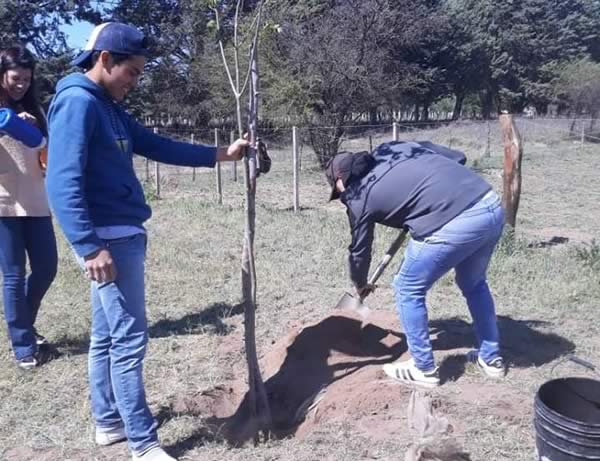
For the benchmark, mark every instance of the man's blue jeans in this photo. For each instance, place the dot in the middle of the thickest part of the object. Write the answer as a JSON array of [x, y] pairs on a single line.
[[466, 244], [118, 345], [23, 238]]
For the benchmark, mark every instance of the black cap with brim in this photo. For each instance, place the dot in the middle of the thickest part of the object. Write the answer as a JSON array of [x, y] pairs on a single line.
[[349, 168], [339, 167]]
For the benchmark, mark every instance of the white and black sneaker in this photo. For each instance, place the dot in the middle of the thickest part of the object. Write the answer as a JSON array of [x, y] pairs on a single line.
[[40, 340], [407, 372], [28, 363], [495, 368]]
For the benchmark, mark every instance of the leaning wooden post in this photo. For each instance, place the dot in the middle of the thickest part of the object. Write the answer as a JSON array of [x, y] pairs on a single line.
[[513, 156], [296, 166], [157, 172], [396, 131], [193, 169], [218, 172], [234, 165]]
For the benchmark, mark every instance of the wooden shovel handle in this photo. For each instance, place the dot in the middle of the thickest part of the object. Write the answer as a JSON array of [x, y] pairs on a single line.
[[394, 247]]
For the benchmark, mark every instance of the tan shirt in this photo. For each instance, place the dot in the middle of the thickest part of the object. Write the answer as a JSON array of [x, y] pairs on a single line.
[[22, 185]]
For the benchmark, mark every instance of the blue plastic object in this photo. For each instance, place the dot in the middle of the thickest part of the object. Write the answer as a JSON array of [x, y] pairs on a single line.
[[17, 128]]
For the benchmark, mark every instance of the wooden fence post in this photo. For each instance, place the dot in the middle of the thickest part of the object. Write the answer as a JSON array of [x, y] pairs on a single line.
[[370, 144], [194, 168], [488, 151], [296, 165], [513, 156], [147, 170], [218, 172], [395, 131], [157, 172], [234, 165]]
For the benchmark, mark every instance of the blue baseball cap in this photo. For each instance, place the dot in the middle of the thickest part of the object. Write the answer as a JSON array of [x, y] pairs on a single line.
[[114, 37]]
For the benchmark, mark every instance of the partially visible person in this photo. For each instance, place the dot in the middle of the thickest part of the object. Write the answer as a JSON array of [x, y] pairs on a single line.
[[454, 219], [100, 205], [26, 231]]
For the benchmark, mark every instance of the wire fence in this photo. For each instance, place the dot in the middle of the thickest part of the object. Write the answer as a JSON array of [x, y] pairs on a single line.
[[294, 157]]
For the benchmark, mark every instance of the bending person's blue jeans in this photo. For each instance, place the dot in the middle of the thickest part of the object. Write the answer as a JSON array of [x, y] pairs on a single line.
[[118, 345], [466, 244], [23, 238]]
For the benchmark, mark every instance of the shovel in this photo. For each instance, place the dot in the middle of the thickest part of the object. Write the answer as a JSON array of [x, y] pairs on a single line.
[[355, 303]]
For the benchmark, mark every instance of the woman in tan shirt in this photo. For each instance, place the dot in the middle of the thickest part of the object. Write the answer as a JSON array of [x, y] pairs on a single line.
[[26, 231]]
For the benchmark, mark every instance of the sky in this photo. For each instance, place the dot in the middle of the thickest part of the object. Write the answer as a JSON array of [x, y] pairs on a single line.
[[77, 33]]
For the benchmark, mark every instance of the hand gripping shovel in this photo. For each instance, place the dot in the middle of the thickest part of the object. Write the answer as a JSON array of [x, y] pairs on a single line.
[[355, 303]]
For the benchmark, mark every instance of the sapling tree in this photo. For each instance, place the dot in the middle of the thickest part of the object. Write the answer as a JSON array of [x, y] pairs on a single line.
[[240, 82]]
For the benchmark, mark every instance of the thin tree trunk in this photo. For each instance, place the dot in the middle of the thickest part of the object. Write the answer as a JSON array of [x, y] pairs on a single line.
[[257, 394], [458, 105], [487, 102]]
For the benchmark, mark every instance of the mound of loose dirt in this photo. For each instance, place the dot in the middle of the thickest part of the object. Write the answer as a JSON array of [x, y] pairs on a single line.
[[329, 371]]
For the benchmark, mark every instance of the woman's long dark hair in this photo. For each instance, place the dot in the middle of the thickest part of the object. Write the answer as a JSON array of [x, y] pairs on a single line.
[[12, 58]]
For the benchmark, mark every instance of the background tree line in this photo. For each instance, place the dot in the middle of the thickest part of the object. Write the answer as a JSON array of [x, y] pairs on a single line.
[[336, 63]]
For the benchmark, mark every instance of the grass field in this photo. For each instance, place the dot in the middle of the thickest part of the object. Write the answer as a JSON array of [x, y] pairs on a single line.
[[547, 299]]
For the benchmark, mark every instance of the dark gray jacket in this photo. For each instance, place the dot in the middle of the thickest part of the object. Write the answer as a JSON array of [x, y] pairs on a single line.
[[415, 186]]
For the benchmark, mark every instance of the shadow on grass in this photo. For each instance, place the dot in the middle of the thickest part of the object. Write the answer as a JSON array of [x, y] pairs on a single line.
[[69, 346], [301, 208], [209, 320], [199, 438], [523, 344]]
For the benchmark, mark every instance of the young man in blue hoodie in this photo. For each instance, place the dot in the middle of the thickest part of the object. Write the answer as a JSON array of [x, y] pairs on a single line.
[[99, 203]]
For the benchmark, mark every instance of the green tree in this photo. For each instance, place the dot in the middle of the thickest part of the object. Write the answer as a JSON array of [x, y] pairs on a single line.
[[175, 85], [577, 85], [37, 23], [513, 42], [326, 66]]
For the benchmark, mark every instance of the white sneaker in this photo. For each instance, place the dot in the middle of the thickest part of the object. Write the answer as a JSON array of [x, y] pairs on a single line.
[[108, 437], [495, 368], [408, 373], [154, 454]]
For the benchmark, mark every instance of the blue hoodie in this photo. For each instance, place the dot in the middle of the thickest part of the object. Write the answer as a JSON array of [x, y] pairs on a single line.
[[91, 181]]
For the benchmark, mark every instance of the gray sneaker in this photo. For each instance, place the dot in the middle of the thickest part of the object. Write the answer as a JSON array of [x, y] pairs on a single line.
[[106, 437], [154, 454]]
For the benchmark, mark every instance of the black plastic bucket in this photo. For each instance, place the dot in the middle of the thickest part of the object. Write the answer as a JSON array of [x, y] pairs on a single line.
[[567, 420]]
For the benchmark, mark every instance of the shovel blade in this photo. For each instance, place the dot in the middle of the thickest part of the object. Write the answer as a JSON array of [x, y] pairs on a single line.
[[353, 303]]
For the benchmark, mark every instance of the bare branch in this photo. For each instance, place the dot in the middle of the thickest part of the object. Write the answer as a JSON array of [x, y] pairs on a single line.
[[253, 50], [235, 45], [223, 57]]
